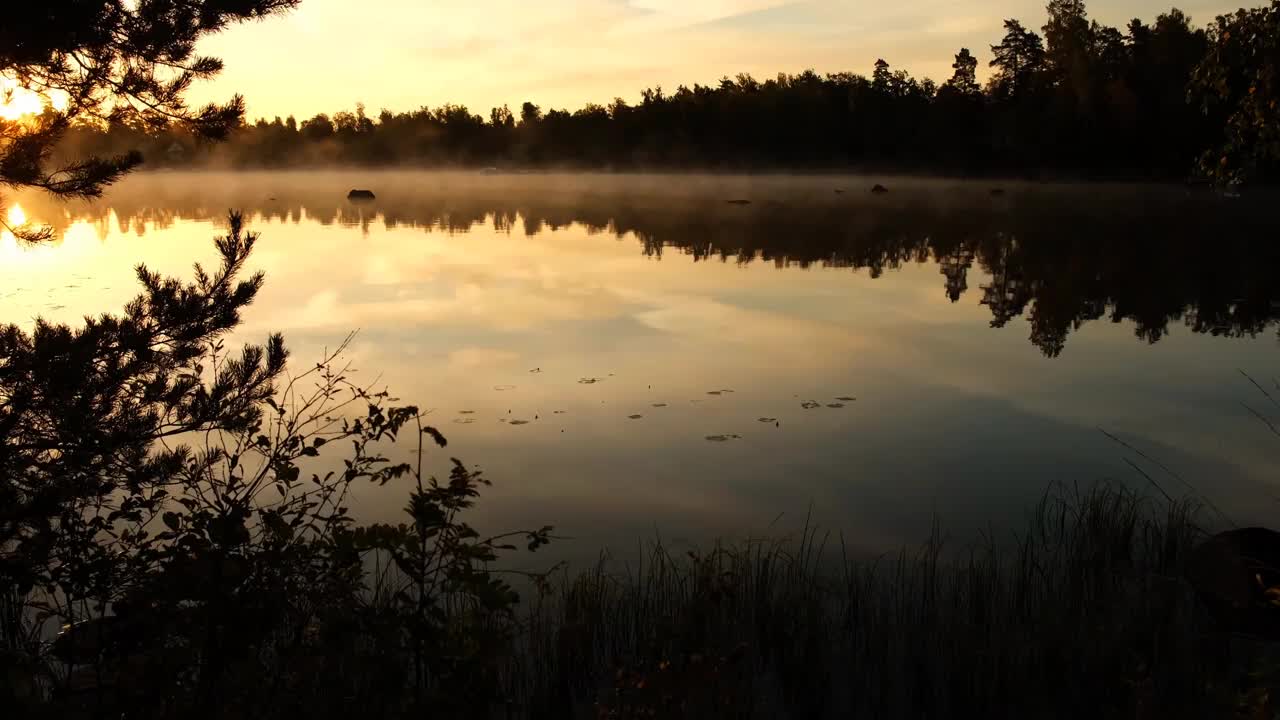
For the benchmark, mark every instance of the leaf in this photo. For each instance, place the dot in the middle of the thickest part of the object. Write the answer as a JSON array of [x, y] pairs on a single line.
[[435, 435], [310, 451], [172, 520], [278, 526]]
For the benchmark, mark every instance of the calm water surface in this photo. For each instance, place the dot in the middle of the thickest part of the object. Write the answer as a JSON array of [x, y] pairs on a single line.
[[940, 350]]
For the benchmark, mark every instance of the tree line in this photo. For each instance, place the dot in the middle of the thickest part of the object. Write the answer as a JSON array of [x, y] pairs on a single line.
[[1163, 99]]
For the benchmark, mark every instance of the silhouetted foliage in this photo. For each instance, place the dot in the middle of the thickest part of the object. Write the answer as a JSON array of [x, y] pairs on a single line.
[[82, 408], [1081, 614], [1239, 81], [1084, 99], [109, 62]]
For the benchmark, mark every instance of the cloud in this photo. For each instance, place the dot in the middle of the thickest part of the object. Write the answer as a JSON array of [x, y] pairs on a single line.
[[513, 308], [679, 13], [802, 343], [959, 25]]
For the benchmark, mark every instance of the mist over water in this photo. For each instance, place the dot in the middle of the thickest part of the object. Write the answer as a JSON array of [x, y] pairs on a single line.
[[693, 355]]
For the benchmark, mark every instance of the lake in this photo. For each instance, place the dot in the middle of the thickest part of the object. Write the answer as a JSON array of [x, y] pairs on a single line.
[[690, 367]]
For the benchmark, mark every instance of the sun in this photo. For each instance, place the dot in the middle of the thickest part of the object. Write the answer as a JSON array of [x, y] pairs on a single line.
[[17, 102], [19, 106], [15, 217]]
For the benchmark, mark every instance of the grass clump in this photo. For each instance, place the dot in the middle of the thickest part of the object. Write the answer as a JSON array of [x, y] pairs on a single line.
[[1084, 612]]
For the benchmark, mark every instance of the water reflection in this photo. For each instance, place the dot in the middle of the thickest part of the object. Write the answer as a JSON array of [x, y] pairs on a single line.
[[1061, 256], [538, 315]]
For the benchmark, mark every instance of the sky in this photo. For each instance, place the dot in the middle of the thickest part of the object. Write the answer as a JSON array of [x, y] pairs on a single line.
[[404, 54], [400, 55]]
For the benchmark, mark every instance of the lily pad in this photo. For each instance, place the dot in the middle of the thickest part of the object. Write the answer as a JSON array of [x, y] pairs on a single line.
[[723, 438], [464, 421], [519, 422], [589, 380], [767, 420], [659, 405], [635, 417], [809, 405], [835, 405], [503, 388], [846, 399]]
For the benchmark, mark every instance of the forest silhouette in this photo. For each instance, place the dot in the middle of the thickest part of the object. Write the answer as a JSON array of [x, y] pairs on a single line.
[[1084, 99]]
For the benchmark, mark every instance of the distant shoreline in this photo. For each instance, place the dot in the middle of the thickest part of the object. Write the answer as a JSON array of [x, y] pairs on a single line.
[[868, 175]]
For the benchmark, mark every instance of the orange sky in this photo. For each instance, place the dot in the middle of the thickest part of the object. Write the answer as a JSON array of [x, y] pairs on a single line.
[[403, 54]]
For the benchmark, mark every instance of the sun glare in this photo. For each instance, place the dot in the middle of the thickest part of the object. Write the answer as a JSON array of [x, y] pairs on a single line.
[[15, 217], [17, 102], [19, 106]]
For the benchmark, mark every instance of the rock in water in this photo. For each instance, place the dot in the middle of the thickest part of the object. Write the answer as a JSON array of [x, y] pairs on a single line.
[[1237, 576], [360, 195]]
